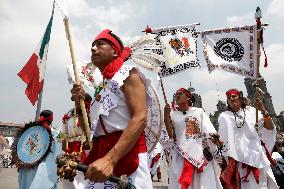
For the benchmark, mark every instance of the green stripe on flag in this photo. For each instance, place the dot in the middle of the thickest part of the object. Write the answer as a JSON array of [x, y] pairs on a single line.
[[46, 36]]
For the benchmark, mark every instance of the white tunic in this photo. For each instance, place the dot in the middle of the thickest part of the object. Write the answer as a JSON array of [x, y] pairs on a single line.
[[115, 115], [74, 131], [243, 144], [157, 150], [192, 131]]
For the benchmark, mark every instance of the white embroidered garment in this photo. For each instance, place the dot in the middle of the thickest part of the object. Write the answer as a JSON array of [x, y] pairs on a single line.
[[89, 75], [74, 131], [190, 130], [114, 111], [243, 144], [141, 178], [157, 150], [78, 183], [280, 162], [208, 179], [266, 179]]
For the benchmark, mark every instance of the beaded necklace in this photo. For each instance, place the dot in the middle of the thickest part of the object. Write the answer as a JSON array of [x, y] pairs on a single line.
[[240, 117]]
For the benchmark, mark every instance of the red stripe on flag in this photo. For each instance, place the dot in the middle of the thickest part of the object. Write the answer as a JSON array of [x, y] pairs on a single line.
[[30, 75]]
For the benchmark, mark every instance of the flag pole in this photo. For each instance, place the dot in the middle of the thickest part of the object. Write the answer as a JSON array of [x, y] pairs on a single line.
[[38, 105], [163, 90], [82, 104], [258, 16]]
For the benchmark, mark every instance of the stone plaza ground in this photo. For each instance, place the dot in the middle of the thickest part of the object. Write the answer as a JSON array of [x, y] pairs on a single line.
[[9, 179]]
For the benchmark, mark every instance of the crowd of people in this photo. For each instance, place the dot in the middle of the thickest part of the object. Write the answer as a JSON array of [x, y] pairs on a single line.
[[237, 156]]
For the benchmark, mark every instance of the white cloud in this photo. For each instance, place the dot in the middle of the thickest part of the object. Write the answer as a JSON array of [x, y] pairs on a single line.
[[275, 56], [22, 24], [205, 79], [247, 19], [212, 97], [276, 8]]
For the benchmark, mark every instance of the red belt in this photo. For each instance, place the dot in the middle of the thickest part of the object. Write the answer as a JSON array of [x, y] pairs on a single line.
[[128, 163]]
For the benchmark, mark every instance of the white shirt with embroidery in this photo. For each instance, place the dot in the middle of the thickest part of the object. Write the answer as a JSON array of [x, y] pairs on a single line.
[[191, 129], [115, 115], [243, 144]]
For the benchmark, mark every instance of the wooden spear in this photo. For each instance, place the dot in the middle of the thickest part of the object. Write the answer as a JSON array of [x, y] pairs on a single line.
[[258, 37], [77, 81]]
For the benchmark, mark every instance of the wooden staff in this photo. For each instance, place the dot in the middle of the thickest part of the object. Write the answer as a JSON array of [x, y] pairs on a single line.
[[166, 101], [77, 81], [163, 90], [66, 134], [258, 37], [75, 122]]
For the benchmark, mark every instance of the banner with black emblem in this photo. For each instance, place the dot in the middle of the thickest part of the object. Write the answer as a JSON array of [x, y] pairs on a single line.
[[231, 50], [179, 48]]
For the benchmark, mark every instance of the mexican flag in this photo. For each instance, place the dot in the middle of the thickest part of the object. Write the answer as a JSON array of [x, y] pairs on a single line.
[[34, 70]]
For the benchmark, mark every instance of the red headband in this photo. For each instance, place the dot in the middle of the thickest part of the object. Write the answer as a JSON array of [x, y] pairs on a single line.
[[233, 91], [44, 121], [112, 41], [184, 91]]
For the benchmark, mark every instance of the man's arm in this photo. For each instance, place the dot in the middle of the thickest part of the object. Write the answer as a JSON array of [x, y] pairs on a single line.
[[78, 93], [268, 123], [135, 95], [168, 121]]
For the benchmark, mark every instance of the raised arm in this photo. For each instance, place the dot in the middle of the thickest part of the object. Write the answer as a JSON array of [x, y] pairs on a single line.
[[168, 121]]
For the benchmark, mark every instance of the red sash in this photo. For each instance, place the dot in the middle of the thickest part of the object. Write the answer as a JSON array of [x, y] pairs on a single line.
[[231, 176], [127, 164]]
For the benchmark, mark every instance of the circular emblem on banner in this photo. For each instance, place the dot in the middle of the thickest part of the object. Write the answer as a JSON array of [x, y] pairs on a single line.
[[229, 49], [32, 145]]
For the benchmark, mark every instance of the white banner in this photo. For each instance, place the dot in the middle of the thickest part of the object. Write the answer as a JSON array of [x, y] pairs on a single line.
[[180, 48], [231, 50]]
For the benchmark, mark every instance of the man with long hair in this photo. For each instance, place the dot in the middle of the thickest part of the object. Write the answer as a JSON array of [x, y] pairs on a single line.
[[192, 165], [247, 151]]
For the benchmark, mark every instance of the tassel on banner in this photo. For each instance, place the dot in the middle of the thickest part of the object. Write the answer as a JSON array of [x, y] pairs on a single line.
[[265, 59]]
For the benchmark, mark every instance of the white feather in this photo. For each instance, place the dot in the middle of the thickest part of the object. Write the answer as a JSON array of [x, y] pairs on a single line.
[[142, 52]]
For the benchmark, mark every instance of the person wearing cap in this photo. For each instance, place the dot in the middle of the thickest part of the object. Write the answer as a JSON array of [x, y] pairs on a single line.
[[192, 165], [44, 174], [118, 116], [247, 151]]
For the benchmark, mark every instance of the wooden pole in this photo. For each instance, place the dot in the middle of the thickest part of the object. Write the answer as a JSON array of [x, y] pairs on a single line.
[[38, 105], [66, 134], [258, 37], [163, 90], [82, 104]]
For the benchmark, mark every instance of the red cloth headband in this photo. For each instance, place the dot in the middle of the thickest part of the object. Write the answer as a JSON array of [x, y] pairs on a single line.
[[44, 121], [112, 41], [233, 91], [184, 91]]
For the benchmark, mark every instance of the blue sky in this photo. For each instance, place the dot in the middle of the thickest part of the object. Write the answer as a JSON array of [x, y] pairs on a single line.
[[23, 24]]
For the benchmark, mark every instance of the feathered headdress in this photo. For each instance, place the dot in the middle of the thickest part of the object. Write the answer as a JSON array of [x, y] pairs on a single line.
[[143, 54]]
